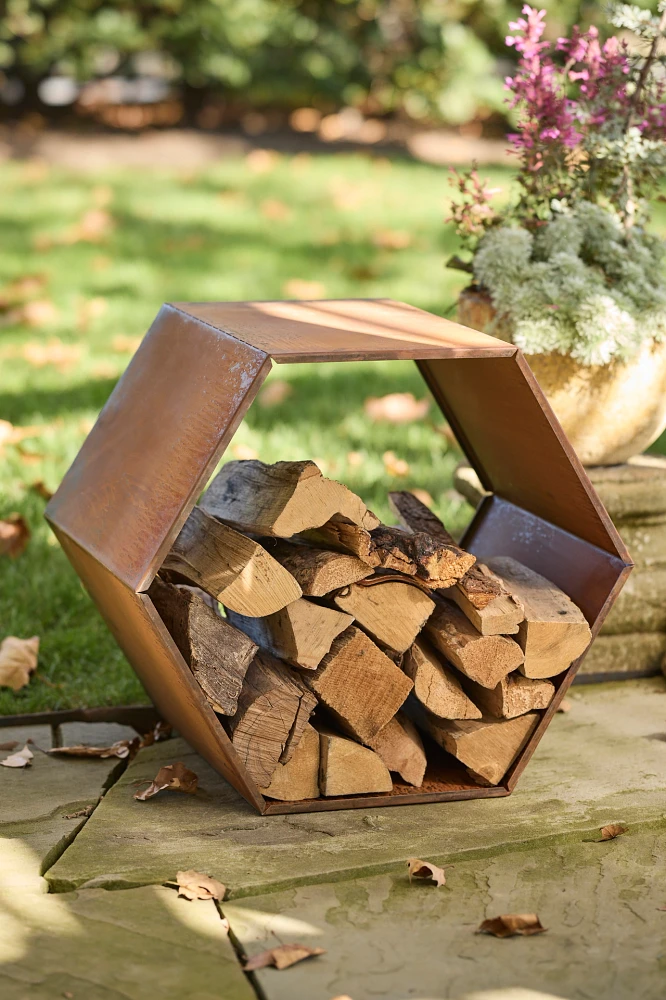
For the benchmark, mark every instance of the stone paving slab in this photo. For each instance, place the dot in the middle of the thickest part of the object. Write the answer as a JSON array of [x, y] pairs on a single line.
[[604, 761], [98, 734], [36, 801], [143, 944], [385, 938]]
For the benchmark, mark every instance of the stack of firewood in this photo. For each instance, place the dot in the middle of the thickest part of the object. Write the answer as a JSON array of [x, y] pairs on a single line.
[[335, 648]]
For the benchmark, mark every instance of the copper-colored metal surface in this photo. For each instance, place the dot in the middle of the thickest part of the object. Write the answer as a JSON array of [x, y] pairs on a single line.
[[175, 410]]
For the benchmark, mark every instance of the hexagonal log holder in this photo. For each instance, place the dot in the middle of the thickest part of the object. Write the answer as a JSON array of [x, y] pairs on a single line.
[[173, 413]]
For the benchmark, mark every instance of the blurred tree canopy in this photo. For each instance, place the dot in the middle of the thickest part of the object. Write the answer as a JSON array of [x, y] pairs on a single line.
[[431, 60]]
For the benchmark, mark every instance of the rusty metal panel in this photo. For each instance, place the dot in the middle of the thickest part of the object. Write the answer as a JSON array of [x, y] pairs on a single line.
[[166, 677], [345, 330], [155, 443]]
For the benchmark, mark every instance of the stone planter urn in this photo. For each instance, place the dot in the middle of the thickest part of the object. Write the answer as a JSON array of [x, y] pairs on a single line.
[[608, 412]]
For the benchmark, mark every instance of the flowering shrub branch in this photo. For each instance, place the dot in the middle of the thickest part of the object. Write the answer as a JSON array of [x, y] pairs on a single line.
[[570, 263]]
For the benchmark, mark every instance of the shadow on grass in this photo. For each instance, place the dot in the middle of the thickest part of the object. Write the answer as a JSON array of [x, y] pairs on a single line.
[[30, 406]]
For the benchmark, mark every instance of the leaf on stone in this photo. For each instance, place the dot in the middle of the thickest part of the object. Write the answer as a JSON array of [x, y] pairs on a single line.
[[14, 535], [282, 957], [194, 885], [82, 813], [425, 870], [175, 777], [612, 831], [121, 749], [18, 660], [9, 745], [511, 924], [396, 408], [21, 759], [161, 731], [662, 909]]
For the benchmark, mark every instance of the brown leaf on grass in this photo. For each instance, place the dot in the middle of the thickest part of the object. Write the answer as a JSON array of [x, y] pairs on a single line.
[[395, 466], [18, 660], [9, 434], [274, 210], [274, 393], [355, 459], [194, 885], [423, 496], [61, 356], [396, 408], [510, 924], [297, 288], [21, 759], [20, 290], [425, 870], [392, 239], [121, 749], [243, 452], [14, 535], [175, 777], [612, 831], [41, 489], [662, 909], [564, 706], [89, 310], [282, 957], [261, 161], [93, 227], [123, 344]]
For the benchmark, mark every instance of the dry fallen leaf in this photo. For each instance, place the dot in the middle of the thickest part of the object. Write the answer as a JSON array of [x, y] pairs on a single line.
[[80, 813], [121, 749], [61, 356], [395, 466], [612, 831], [510, 924], [274, 210], [161, 731], [18, 660], [392, 239], [37, 313], [423, 496], [282, 957], [355, 459], [21, 759], [194, 885], [14, 535], [9, 745], [90, 310], [274, 393], [21, 289], [564, 706], [176, 777], [396, 408], [662, 908], [41, 489], [425, 870], [261, 161], [244, 452], [297, 288], [122, 344]]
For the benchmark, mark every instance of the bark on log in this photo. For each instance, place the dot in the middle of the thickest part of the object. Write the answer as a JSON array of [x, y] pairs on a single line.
[[438, 564], [318, 571]]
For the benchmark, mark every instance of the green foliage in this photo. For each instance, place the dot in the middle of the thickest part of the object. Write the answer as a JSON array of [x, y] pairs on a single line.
[[580, 286]]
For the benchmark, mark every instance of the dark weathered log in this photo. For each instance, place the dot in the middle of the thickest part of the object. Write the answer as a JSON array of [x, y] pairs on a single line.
[[281, 499], [437, 563], [273, 710], [216, 652]]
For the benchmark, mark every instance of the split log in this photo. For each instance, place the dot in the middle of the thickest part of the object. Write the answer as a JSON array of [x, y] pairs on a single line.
[[401, 748], [273, 710], [281, 499], [301, 633], [343, 536], [501, 615], [514, 695], [435, 684], [554, 632], [437, 563], [217, 653], [346, 768], [318, 571], [393, 612], [299, 779], [485, 659], [479, 593], [487, 748], [232, 568], [359, 684]]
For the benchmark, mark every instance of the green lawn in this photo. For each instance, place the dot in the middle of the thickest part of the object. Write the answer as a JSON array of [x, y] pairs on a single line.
[[243, 230]]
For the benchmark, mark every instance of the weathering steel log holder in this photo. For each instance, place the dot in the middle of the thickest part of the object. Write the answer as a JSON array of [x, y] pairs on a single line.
[[174, 412]]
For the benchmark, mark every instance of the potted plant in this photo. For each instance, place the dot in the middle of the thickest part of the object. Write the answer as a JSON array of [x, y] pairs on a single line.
[[570, 272]]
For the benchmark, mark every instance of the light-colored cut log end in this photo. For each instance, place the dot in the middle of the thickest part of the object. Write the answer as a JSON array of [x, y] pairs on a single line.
[[401, 748], [346, 768], [299, 778], [487, 748], [436, 685]]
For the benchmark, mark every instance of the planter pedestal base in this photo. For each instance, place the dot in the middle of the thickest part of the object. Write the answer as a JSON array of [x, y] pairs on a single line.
[[632, 642]]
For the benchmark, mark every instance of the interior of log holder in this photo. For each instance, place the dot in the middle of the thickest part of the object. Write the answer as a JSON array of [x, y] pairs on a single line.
[[347, 657]]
